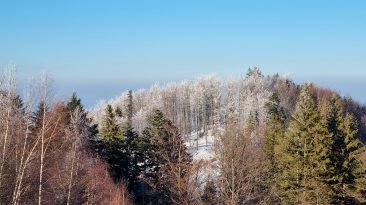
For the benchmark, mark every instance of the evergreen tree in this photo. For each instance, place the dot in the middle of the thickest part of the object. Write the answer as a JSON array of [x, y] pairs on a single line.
[[129, 107], [110, 145], [122, 157], [253, 120], [352, 182], [342, 168], [169, 162], [132, 153], [109, 128], [134, 147], [330, 174], [119, 112], [18, 103], [37, 117], [299, 159], [254, 71], [274, 134], [123, 150], [74, 103]]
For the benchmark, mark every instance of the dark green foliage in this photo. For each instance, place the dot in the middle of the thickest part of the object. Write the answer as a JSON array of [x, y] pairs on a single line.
[[253, 120], [168, 162], [123, 156], [274, 134], [129, 107], [109, 128], [74, 106], [119, 112], [331, 174], [254, 71], [18, 103], [37, 117], [74, 103], [123, 150], [318, 159], [298, 158], [341, 167], [134, 153], [359, 113], [352, 181]]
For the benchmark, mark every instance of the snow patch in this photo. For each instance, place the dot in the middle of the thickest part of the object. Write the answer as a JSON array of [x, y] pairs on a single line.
[[202, 149]]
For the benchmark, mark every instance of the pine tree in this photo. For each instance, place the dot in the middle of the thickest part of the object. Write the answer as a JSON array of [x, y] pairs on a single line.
[[298, 161]]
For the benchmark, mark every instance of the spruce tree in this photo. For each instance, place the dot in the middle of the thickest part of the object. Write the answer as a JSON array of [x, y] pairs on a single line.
[[129, 156], [119, 112], [74, 103], [122, 148], [274, 135], [353, 182], [169, 161], [132, 149], [37, 117], [109, 128], [129, 107], [298, 161], [343, 168], [254, 71], [330, 174], [110, 145]]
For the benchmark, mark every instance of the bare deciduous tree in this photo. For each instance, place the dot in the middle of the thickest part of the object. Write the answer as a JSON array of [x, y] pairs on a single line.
[[240, 167]]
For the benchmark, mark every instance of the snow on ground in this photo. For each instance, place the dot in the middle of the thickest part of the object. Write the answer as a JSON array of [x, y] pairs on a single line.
[[201, 148], [203, 153]]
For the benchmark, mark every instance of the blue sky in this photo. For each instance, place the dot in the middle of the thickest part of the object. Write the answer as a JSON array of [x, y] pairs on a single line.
[[100, 48]]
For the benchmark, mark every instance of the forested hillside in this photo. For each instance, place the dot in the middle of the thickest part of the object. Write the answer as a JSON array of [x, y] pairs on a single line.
[[254, 139], [208, 102]]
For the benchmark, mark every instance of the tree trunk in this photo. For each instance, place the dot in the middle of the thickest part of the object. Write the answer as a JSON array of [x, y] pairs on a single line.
[[4, 147], [71, 176], [42, 157]]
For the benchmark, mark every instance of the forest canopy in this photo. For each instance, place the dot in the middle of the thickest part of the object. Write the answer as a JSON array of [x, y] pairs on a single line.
[[255, 139]]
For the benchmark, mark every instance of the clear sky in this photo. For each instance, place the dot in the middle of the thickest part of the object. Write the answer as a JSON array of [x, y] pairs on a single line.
[[99, 48]]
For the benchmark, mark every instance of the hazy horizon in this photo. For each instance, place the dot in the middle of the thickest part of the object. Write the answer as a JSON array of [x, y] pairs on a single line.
[[92, 92]]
